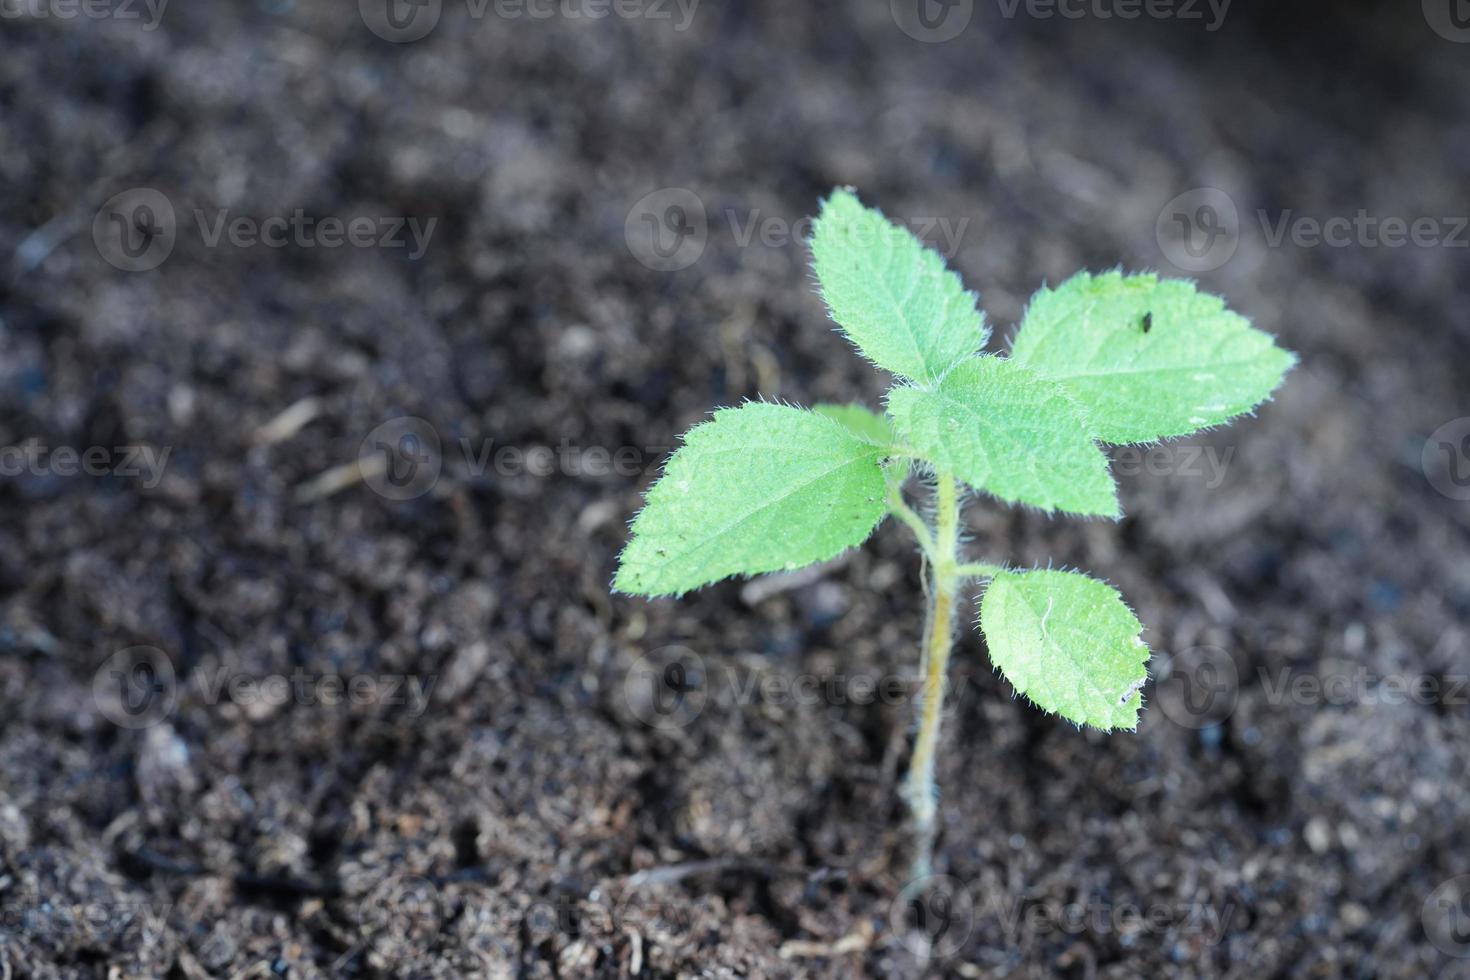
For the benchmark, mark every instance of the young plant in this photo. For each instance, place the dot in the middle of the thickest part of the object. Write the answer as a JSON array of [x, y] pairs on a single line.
[[1108, 358]]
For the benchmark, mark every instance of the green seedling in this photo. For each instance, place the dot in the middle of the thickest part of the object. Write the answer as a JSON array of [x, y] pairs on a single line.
[[1108, 358]]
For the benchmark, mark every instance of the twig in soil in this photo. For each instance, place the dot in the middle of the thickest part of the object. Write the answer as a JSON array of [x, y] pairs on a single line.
[[756, 591], [635, 959], [671, 873], [339, 478], [341, 962], [35, 247], [287, 423], [857, 941]]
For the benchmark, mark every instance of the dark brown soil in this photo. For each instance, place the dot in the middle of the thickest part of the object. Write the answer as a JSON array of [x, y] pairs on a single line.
[[526, 820]]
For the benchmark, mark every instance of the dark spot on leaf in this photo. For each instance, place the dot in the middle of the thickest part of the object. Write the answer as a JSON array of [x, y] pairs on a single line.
[[1148, 322]]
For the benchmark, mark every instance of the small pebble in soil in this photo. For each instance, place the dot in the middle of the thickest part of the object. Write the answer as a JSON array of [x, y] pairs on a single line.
[[1318, 835]]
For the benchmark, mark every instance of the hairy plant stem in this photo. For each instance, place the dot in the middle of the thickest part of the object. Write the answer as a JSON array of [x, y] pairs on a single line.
[[947, 574], [944, 585]]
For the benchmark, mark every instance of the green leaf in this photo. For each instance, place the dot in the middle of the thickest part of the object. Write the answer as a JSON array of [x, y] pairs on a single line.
[[894, 298], [861, 422], [1003, 430], [759, 488], [1147, 357], [1068, 643]]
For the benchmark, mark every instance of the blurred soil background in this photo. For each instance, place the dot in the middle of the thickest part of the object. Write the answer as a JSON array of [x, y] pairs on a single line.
[[524, 819]]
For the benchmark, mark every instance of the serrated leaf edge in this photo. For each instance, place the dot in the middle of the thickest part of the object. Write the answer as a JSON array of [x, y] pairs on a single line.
[[1137, 639]]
